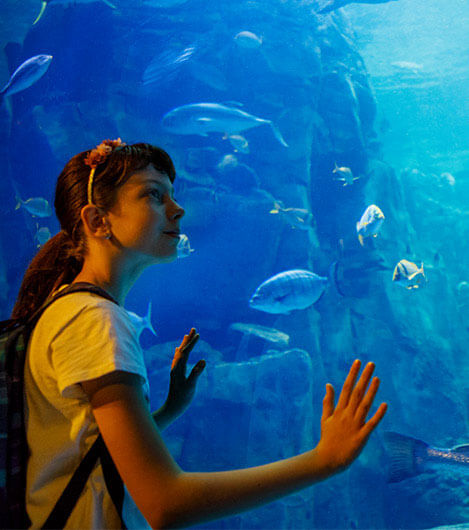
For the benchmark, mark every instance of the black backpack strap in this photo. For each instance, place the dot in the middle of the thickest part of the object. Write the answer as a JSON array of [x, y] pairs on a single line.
[[67, 501], [64, 506]]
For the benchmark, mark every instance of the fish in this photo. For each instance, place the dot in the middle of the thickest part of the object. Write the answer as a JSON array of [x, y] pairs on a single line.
[[27, 74], [184, 247], [141, 323], [264, 332], [296, 217], [202, 118], [290, 290], [447, 178], [407, 66], [36, 206], [410, 457], [164, 66], [42, 235], [332, 5], [238, 142], [346, 175], [247, 39], [45, 3], [408, 274], [370, 223]]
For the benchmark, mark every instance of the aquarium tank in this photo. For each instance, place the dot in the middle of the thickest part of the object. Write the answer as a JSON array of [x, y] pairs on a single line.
[[322, 158]]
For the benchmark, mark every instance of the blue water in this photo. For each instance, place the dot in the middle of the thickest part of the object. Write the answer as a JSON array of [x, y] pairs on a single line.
[[381, 89]]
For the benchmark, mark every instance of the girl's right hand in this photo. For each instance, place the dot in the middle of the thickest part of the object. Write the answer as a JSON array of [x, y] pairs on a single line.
[[344, 429]]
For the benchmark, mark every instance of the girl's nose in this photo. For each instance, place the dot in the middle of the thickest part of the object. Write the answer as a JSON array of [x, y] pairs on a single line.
[[176, 211]]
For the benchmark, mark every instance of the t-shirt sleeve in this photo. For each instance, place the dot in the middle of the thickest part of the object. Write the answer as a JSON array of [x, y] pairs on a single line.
[[98, 340]]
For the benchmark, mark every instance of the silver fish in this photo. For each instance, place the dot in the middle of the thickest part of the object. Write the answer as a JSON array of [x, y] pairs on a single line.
[[410, 457], [288, 290], [165, 66], [27, 74], [346, 175], [264, 332], [45, 3], [295, 217], [409, 275], [370, 223], [36, 206], [202, 118], [238, 142], [332, 5], [42, 235], [184, 247], [141, 323], [247, 39]]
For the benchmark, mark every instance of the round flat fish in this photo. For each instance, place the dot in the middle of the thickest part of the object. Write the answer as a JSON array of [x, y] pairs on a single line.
[[288, 290]]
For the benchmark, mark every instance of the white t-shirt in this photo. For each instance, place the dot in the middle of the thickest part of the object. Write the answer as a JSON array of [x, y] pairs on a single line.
[[79, 337]]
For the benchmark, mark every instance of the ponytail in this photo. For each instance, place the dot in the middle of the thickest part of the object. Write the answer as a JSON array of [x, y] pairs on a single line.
[[56, 263]]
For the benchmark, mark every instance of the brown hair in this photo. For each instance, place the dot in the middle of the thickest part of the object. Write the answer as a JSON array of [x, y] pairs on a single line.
[[60, 260]]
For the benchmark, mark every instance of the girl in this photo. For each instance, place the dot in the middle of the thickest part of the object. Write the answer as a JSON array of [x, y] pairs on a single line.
[[85, 373]]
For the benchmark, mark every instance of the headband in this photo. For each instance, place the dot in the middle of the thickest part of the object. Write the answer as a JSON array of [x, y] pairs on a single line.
[[98, 156]]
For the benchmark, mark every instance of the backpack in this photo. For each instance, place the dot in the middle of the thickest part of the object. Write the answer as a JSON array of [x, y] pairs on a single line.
[[14, 337]]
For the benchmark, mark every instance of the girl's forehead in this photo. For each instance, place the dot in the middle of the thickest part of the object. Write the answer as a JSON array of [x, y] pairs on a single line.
[[148, 174]]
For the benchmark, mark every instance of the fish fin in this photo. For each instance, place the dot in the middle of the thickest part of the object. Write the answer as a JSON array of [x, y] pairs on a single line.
[[275, 210], [361, 240], [462, 449], [277, 133], [333, 280], [404, 454], [18, 202], [345, 183], [41, 12], [147, 320], [112, 6], [356, 178], [396, 274]]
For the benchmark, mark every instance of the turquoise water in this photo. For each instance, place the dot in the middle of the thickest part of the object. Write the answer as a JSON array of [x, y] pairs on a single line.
[[378, 89]]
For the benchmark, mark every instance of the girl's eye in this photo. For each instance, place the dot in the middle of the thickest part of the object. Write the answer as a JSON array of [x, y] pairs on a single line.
[[156, 194]]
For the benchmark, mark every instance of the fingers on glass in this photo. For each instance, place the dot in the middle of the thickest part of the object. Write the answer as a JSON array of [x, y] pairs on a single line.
[[348, 385], [375, 419], [366, 403], [360, 388]]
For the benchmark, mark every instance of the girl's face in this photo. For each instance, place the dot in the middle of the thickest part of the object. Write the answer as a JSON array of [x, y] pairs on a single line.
[[145, 219]]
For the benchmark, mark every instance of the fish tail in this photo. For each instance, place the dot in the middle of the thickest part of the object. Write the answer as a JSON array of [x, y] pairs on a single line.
[[405, 455], [278, 134], [333, 280], [361, 240], [147, 320], [41, 12]]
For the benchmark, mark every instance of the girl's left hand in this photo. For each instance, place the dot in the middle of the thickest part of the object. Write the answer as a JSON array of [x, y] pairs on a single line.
[[182, 388]]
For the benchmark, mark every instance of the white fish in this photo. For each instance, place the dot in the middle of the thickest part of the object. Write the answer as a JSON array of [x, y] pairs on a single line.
[[448, 178], [247, 39], [239, 143], [407, 66], [45, 3], [289, 290], [370, 223], [36, 206], [184, 247], [164, 66], [296, 217], [27, 74], [141, 323], [408, 274], [269, 334], [202, 118], [346, 175], [42, 235]]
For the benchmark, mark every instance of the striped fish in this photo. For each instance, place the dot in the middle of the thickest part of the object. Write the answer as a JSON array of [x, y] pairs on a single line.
[[289, 290]]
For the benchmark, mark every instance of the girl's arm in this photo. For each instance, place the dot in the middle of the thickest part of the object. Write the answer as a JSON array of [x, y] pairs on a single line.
[[169, 497]]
